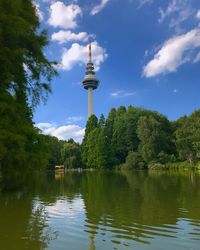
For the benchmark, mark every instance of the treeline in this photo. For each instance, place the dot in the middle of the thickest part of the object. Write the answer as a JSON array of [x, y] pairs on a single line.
[[136, 138], [67, 153], [132, 138]]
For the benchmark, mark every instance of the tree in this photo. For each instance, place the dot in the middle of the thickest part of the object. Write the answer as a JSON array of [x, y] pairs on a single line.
[[92, 124], [134, 161], [154, 138], [71, 155], [25, 74], [23, 63], [97, 147], [188, 137], [118, 143]]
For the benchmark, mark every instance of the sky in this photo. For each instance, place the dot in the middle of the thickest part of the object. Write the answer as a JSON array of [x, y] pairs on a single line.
[[146, 53]]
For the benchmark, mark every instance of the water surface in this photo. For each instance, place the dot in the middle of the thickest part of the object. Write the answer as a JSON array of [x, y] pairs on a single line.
[[103, 210]]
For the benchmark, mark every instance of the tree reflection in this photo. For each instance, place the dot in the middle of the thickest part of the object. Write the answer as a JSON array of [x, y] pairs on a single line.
[[22, 225], [139, 205], [119, 207]]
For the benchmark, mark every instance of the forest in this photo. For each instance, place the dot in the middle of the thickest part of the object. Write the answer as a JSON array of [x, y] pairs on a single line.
[[129, 138]]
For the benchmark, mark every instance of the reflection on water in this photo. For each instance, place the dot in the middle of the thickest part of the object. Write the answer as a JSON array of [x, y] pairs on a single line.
[[104, 210]]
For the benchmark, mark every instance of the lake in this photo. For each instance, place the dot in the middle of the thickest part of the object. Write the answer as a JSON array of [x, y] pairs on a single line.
[[103, 211]]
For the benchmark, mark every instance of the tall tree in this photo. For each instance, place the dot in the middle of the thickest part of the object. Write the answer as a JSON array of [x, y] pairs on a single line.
[[92, 124], [154, 137], [24, 66], [188, 137], [25, 73], [118, 142]]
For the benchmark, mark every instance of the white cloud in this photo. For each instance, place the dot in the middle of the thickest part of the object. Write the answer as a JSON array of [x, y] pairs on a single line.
[[64, 16], [78, 54], [64, 132], [171, 8], [180, 10], [141, 3], [39, 13], [44, 125], [73, 119], [67, 36], [175, 52], [197, 58], [198, 14], [99, 7], [175, 91], [122, 93]]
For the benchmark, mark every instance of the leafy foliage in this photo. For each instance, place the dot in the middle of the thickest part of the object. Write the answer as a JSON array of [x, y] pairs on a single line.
[[137, 138], [25, 74]]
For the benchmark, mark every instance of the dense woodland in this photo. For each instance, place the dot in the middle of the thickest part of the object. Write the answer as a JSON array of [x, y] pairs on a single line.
[[136, 138], [131, 138]]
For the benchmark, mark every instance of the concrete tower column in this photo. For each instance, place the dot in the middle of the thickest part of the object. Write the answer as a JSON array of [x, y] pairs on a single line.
[[90, 102]]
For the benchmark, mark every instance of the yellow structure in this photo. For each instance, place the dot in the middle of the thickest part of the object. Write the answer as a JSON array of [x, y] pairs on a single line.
[[59, 167]]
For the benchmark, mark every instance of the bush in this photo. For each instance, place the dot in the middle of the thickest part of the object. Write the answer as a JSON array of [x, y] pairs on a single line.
[[134, 161], [179, 165], [156, 166]]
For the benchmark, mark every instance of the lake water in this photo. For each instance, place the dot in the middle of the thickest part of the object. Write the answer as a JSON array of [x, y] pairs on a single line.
[[103, 211]]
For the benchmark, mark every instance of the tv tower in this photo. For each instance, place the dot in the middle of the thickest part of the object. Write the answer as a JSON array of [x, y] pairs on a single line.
[[90, 82]]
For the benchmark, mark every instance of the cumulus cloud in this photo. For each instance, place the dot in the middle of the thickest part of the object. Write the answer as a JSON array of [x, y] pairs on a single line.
[[67, 36], [122, 93], [78, 54], [64, 16], [99, 7], [64, 132], [175, 52]]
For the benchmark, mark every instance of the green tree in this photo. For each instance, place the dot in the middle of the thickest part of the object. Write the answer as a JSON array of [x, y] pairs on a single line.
[[188, 137], [118, 143], [134, 161], [92, 124], [153, 132], [71, 155], [25, 74]]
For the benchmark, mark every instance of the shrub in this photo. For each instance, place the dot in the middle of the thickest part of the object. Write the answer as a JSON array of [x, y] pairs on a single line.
[[134, 161]]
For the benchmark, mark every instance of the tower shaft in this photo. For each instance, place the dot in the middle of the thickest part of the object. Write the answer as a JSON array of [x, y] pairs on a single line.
[[90, 102]]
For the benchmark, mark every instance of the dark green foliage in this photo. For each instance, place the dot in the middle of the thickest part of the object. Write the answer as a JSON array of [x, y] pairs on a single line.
[[24, 66], [188, 137], [136, 138], [153, 133], [95, 147], [134, 161], [54, 148], [92, 123], [25, 74], [119, 142], [71, 155]]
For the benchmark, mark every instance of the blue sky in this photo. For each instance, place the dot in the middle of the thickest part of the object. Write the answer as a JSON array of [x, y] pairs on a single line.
[[146, 53]]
